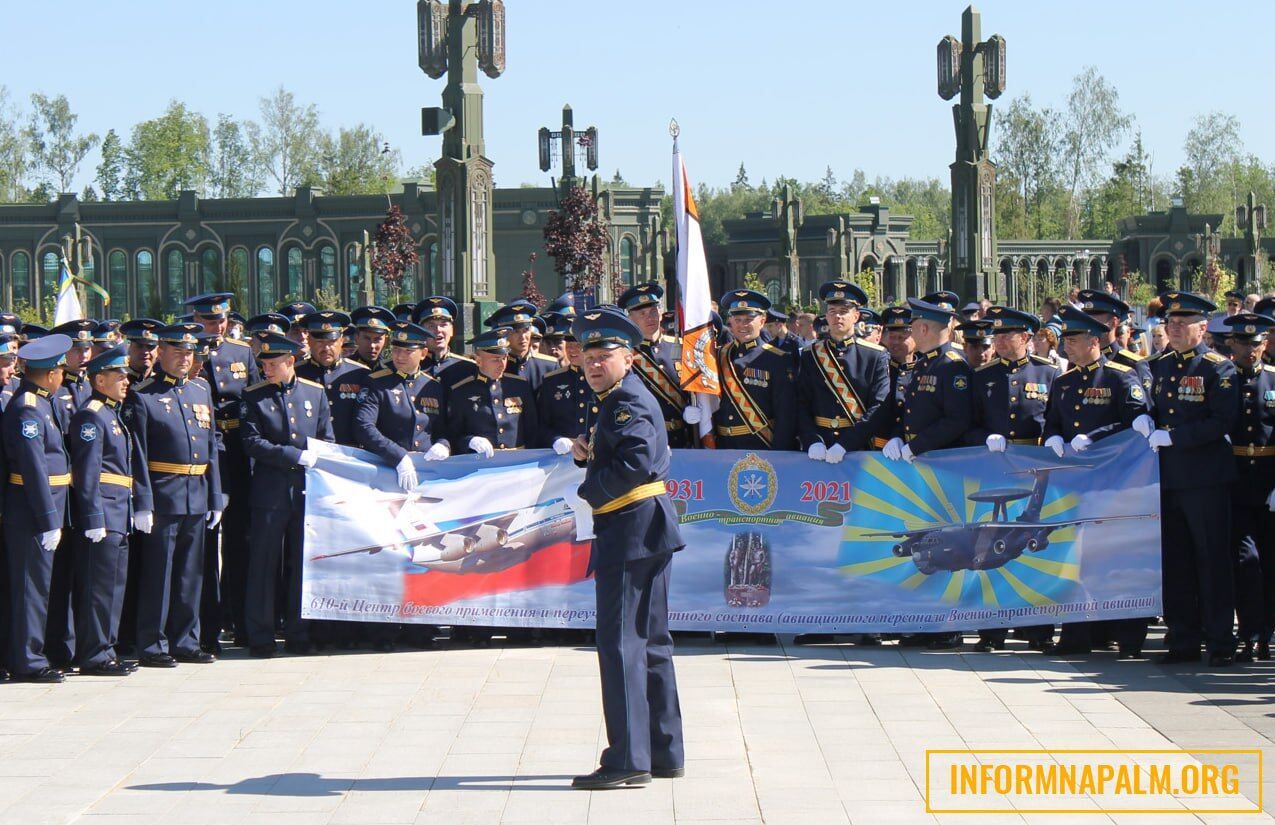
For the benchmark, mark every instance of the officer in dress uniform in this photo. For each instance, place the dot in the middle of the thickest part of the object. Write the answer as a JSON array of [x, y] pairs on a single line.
[[75, 385], [105, 336], [103, 457], [976, 343], [143, 340], [557, 328], [400, 414], [295, 312], [843, 382], [279, 416], [626, 459], [1253, 493], [518, 319], [340, 378], [1094, 399], [8, 386], [1195, 395], [9, 378], [59, 639], [373, 325], [759, 401], [937, 409], [1217, 335], [437, 315], [565, 400], [655, 362], [178, 498], [780, 336], [869, 326], [1112, 311], [491, 410], [35, 503], [1010, 394], [230, 370], [896, 323]]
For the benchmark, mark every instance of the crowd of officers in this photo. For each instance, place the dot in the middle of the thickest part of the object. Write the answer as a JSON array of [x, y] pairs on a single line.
[[154, 504]]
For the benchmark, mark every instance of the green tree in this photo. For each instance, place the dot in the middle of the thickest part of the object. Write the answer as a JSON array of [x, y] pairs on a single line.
[[741, 179], [1095, 124], [15, 151], [1027, 152], [1209, 179], [285, 143], [110, 172], [58, 150], [168, 154], [357, 161], [233, 172]]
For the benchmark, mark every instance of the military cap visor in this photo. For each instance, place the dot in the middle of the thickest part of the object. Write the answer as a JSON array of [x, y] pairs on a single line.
[[943, 298], [45, 353], [267, 322], [492, 341], [210, 305], [115, 358], [326, 325], [1185, 303], [1078, 322], [924, 310], [1007, 319], [80, 332], [435, 308], [514, 315], [744, 301], [182, 336], [275, 345], [375, 318], [1248, 325], [842, 292], [409, 335], [608, 330], [640, 295]]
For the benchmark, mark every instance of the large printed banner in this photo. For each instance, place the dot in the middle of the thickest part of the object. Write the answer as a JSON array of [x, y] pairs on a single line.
[[960, 539]]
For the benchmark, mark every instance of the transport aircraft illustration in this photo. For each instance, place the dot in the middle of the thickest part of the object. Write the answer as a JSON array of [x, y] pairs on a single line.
[[478, 544], [986, 545]]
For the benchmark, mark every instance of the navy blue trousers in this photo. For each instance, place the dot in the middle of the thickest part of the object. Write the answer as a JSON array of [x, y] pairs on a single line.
[[1199, 587], [274, 550], [30, 573], [635, 660], [169, 588], [1253, 537], [59, 632], [101, 572]]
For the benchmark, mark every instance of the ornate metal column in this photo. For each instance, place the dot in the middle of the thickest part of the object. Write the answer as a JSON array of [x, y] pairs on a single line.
[[789, 214], [1252, 219]]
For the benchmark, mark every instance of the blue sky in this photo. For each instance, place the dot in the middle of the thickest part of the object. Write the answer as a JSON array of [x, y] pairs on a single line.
[[786, 88]]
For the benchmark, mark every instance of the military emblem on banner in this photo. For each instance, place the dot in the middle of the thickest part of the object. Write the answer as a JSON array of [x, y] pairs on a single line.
[[752, 484]]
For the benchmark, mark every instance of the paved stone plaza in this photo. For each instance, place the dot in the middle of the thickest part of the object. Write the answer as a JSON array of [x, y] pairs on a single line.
[[774, 734]]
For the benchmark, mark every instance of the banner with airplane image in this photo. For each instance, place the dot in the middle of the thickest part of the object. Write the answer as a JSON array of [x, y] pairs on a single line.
[[958, 540]]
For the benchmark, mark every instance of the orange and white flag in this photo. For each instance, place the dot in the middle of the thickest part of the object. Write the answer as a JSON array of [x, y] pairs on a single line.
[[697, 369]]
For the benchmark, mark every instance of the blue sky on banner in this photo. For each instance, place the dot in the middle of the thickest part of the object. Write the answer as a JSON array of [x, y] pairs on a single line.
[[784, 89]]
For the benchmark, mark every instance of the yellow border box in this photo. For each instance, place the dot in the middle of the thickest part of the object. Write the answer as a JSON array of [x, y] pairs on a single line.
[[1125, 751]]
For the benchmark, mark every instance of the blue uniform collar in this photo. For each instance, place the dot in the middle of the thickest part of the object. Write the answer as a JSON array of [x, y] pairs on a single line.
[[168, 379], [28, 386]]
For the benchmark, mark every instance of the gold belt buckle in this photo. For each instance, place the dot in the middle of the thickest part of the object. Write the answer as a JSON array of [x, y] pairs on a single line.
[[1251, 450]]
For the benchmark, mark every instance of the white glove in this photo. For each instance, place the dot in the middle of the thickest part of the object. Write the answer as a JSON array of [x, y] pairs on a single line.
[[144, 521], [905, 453], [818, 451], [1055, 443], [437, 452], [1081, 443], [835, 453], [1227, 436], [562, 445], [308, 458], [1270, 501], [692, 415], [1158, 439], [406, 473], [481, 446], [1144, 424], [996, 443], [96, 534], [214, 518], [49, 540], [893, 449]]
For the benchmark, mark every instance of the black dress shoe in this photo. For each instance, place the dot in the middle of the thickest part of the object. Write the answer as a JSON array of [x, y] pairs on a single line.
[[1263, 650], [1221, 659], [1245, 654], [4, 675], [127, 665], [987, 646], [195, 657], [261, 651], [604, 778], [107, 668], [157, 660], [1178, 657], [43, 676], [668, 773]]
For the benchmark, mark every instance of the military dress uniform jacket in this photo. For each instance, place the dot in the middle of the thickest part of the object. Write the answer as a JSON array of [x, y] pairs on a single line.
[[1097, 400], [758, 407], [937, 408], [655, 364], [399, 413], [889, 418], [342, 381], [1141, 366], [563, 405], [278, 420], [842, 387], [77, 386], [503, 412], [104, 458], [624, 478], [229, 371], [173, 422], [38, 465], [532, 368], [437, 367], [1010, 399], [1196, 398], [7, 391], [1253, 437]]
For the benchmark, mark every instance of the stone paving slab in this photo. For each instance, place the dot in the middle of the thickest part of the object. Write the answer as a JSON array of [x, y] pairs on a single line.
[[775, 734]]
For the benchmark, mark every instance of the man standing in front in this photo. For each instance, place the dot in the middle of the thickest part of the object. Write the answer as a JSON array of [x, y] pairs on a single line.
[[177, 499], [626, 457], [1195, 394]]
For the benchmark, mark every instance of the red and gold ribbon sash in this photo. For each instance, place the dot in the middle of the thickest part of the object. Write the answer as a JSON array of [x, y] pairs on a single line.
[[757, 423], [834, 376]]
